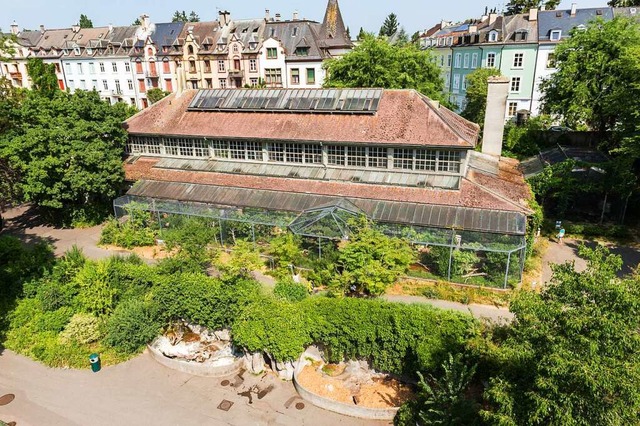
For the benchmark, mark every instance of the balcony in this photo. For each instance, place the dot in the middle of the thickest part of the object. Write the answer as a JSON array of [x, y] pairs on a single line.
[[116, 93], [234, 71], [152, 74]]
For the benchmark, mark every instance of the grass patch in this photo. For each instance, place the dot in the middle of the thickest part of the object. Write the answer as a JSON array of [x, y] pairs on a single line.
[[451, 292]]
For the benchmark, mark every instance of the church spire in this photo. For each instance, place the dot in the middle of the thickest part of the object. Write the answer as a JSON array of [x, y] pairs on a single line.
[[333, 32]]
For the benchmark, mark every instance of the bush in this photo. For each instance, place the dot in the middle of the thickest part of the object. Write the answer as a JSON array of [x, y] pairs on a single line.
[[287, 289], [82, 328], [133, 324], [393, 337], [96, 294], [128, 235], [279, 328], [202, 300]]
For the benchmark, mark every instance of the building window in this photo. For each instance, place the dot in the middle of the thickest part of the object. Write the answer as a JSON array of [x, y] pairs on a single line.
[[449, 161], [449, 61], [442, 60], [336, 155], [223, 83], [551, 60], [513, 108], [118, 89], [127, 67], [79, 69], [138, 67], [447, 81], [83, 85], [272, 53], [105, 84], [464, 82], [515, 84], [92, 68], [94, 84], [141, 87], [221, 149], [192, 67], [275, 152], [357, 156], [114, 66], [67, 67], [254, 82], [273, 75], [168, 85], [130, 84], [377, 158], [466, 60], [493, 36], [301, 51], [207, 66], [254, 151], [426, 159], [474, 61], [458, 60], [403, 159], [166, 67], [221, 66], [253, 65], [208, 83], [295, 76], [101, 65], [491, 60], [556, 35], [518, 60], [456, 81], [311, 76]]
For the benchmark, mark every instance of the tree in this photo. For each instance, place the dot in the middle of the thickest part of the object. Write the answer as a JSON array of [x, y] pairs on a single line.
[[156, 94], [515, 7], [137, 22], [361, 34], [477, 86], [370, 261], [389, 26], [415, 38], [623, 3], [572, 355], [597, 82], [85, 22], [179, 16], [376, 63], [68, 150], [43, 77], [193, 17]]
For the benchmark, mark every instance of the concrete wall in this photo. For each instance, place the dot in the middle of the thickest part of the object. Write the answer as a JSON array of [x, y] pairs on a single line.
[[195, 368]]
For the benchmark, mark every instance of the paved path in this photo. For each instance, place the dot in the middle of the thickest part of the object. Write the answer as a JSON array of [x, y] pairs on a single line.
[[142, 392], [492, 313]]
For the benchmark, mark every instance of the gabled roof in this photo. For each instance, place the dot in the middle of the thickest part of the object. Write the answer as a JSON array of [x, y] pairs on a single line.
[[167, 33], [306, 35], [518, 25], [333, 32], [404, 117], [562, 20]]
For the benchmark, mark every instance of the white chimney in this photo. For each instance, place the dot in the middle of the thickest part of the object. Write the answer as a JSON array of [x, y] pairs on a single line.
[[14, 28], [492, 18], [110, 27], [278, 17], [267, 14], [41, 28], [493, 131], [533, 15], [75, 27], [295, 15], [574, 8], [473, 29]]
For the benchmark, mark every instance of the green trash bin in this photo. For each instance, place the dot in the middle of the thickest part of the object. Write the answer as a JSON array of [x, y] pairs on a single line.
[[94, 359]]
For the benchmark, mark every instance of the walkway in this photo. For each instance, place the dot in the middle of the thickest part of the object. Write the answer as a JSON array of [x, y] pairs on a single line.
[[492, 313], [142, 392]]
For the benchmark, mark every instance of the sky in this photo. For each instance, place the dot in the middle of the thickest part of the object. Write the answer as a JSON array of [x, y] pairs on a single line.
[[413, 15]]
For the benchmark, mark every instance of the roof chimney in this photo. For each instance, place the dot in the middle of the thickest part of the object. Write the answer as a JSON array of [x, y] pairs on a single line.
[[110, 27], [14, 28], [145, 21], [533, 15], [224, 18], [267, 14], [295, 15], [574, 8], [473, 28], [41, 28], [75, 27], [278, 17], [493, 132], [492, 18]]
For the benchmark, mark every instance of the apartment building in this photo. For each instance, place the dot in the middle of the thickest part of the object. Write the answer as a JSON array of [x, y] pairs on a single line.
[[14, 67]]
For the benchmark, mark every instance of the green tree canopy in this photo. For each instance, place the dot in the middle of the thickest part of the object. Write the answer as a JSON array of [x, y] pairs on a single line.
[[572, 355], [68, 151], [376, 63], [179, 16], [389, 26], [361, 34], [515, 7], [477, 86], [85, 22], [43, 77], [597, 82], [156, 94], [623, 3]]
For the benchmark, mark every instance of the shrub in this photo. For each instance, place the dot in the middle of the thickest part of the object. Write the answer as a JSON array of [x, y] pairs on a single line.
[[279, 328], [285, 248], [133, 324], [287, 289], [82, 328], [202, 300], [132, 233], [96, 293]]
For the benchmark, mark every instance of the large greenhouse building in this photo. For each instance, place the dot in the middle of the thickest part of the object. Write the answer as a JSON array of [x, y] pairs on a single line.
[[308, 160]]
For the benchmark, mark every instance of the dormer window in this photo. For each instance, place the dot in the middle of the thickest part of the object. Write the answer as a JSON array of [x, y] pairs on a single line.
[[253, 45], [301, 51], [235, 48], [190, 49], [295, 32], [89, 51], [493, 36], [273, 32], [65, 52], [449, 41], [556, 35]]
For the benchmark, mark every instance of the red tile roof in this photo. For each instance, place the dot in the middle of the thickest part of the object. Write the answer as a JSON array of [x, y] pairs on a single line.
[[478, 191], [404, 117]]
